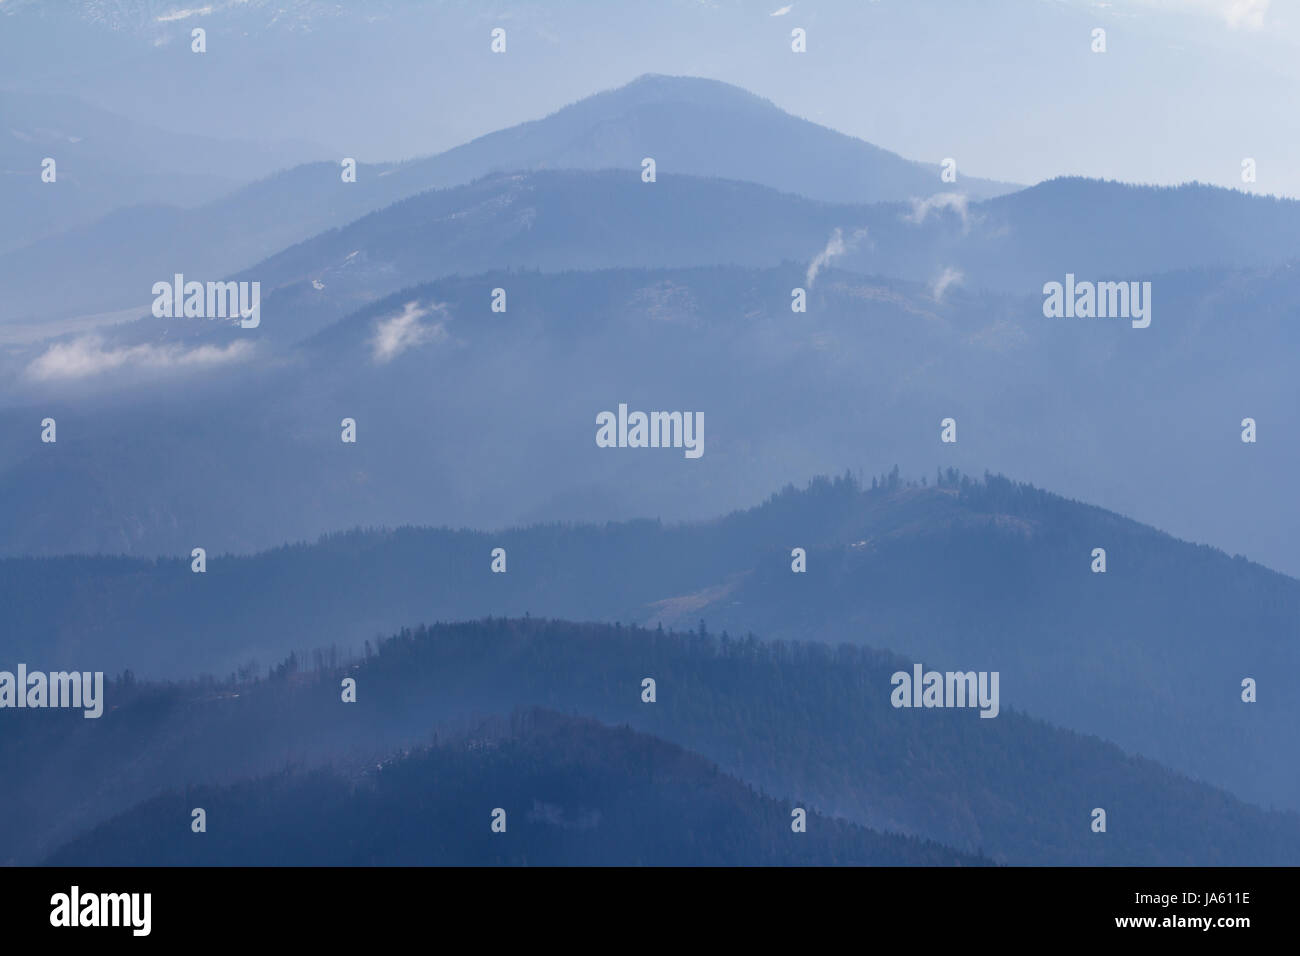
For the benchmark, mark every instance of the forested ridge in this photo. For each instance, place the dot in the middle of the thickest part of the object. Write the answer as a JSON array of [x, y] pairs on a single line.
[[808, 723]]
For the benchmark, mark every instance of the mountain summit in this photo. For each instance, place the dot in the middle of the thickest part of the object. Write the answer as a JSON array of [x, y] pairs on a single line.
[[705, 127]]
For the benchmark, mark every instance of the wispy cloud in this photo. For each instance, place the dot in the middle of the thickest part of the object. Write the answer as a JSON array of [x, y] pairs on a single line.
[[948, 277], [401, 332], [1236, 14], [87, 355], [835, 246], [956, 202], [782, 12], [183, 14], [1242, 14]]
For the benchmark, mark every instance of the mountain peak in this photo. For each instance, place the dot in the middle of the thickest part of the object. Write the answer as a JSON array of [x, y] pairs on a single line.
[[662, 87]]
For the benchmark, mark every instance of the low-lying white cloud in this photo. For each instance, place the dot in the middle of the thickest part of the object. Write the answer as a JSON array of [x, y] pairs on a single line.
[[940, 202], [87, 355], [949, 277], [394, 336], [1236, 14], [835, 246]]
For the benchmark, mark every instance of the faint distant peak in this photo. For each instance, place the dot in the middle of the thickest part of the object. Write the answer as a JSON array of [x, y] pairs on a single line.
[[662, 88]]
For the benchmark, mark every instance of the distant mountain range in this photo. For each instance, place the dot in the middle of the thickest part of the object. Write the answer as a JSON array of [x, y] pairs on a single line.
[[563, 220], [690, 126], [813, 304], [104, 163]]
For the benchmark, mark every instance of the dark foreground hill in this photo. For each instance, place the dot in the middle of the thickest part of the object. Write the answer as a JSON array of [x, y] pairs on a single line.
[[573, 792], [985, 575], [808, 723]]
